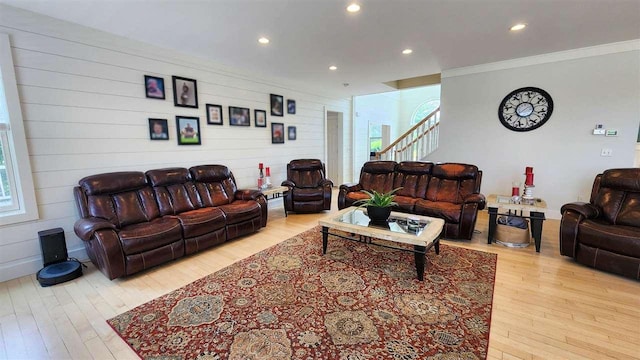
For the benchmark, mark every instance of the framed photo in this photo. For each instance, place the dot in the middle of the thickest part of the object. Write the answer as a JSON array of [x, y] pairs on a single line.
[[158, 129], [291, 106], [277, 133], [185, 92], [154, 87], [277, 105], [239, 116], [214, 114], [188, 128], [291, 133], [260, 118]]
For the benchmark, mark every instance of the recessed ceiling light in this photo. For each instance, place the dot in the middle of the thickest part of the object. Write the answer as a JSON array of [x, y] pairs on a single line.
[[353, 8], [407, 51], [263, 40], [517, 27], [333, 67]]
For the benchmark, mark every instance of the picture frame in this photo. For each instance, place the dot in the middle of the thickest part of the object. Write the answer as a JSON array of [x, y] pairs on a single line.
[[158, 129], [277, 105], [239, 116], [291, 106], [185, 92], [154, 87], [214, 114], [260, 118], [291, 133], [188, 130], [277, 133]]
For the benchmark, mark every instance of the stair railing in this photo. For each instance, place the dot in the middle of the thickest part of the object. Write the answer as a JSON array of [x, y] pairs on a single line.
[[415, 144]]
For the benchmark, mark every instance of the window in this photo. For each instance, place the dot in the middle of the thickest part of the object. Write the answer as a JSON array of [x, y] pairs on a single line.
[[375, 138], [423, 110], [17, 196]]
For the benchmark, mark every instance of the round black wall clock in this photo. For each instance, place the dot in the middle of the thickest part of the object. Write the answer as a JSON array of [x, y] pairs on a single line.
[[525, 109]]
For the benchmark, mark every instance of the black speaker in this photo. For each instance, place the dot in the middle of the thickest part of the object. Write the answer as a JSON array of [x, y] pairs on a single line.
[[57, 267], [53, 246]]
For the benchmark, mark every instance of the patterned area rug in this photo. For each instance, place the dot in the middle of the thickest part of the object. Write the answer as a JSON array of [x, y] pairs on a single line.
[[291, 302]]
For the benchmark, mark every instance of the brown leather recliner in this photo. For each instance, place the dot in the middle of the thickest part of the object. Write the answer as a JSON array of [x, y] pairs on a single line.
[[131, 222], [309, 189], [605, 233]]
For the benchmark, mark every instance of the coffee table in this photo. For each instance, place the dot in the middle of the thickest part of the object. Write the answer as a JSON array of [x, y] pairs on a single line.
[[354, 221]]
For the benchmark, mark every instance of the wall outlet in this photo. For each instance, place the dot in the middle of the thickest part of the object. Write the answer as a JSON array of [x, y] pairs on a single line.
[[606, 152]]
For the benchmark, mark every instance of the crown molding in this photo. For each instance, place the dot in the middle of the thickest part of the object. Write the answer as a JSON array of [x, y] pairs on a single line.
[[598, 50]]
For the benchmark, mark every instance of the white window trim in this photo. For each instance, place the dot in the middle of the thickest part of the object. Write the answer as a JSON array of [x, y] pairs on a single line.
[[28, 208]]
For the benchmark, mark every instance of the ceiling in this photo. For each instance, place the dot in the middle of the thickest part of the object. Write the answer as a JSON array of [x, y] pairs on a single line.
[[307, 36]]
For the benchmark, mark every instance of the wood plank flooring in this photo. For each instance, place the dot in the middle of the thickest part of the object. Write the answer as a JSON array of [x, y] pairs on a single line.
[[545, 306]]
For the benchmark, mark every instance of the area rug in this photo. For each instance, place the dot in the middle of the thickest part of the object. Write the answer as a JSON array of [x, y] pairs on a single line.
[[291, 302]]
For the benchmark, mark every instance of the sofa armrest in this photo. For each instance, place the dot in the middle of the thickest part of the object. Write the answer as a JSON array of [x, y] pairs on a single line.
[[585, 209], [288, 183], [248, 194], [476, 198], [325, 182], [350, 187], [343, 202], [85, 228]]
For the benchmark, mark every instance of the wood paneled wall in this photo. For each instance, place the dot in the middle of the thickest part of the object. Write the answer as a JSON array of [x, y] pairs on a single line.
[[85, 112]]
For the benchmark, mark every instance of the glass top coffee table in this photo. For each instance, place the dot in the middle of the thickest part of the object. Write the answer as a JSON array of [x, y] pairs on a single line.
[[420, 231]]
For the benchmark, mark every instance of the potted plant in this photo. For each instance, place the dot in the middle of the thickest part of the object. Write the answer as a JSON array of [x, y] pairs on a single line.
[[378, 204]]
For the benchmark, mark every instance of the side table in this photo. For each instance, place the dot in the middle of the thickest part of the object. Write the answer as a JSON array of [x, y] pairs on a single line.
[[275, 193], [498, 204]]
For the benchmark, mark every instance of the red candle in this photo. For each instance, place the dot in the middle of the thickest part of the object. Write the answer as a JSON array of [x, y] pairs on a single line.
[[515, 191], [260, 166], [529, 180], [268, 171], [528, 170]]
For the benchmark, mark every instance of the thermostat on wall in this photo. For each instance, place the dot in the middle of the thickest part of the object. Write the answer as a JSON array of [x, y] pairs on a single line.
[[611, 133]]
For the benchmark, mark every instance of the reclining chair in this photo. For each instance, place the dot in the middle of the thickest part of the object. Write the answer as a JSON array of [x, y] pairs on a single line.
[[309, 189]]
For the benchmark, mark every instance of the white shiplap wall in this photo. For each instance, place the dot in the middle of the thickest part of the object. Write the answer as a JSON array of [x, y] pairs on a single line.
[[85, 112]]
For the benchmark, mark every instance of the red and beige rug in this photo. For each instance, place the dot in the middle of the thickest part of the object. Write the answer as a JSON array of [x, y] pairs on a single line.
[[291, 302]]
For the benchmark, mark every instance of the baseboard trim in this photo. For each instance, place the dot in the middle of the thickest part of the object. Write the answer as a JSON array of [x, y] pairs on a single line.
[[28, 266]]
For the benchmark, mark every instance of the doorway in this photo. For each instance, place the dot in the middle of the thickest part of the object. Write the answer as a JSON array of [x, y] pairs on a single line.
[[335, 143]]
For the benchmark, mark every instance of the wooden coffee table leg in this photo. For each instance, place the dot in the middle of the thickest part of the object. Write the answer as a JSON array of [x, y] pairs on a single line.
[[325, 237], [420, 254]]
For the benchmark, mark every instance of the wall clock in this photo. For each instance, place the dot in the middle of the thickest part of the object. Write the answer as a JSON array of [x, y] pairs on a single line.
[[525, 109]]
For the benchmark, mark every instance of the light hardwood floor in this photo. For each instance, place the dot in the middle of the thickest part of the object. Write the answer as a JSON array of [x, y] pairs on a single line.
[[545, 306]]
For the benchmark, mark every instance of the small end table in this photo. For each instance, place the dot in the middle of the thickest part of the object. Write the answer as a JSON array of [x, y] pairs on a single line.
[[497, 203], [275, 193]]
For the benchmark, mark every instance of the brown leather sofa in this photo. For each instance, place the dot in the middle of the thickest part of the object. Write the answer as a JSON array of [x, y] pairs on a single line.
[[605, 233], [131, 221], [309, 189], [449, 191]]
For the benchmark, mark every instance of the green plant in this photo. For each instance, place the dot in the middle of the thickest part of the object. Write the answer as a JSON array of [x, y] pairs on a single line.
[[378, 199]]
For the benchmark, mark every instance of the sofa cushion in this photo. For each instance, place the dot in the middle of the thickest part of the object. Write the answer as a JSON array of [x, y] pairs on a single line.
[[201, 221], [241, 210], [356, 195], [412, 177], [311, 194], [450, 212], [146, 236], [109, 183], [405, 203], [619, 239]]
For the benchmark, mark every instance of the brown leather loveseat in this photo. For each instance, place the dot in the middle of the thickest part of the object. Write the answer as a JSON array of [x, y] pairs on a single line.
[[132, 221], [449, 191], [605, 233]]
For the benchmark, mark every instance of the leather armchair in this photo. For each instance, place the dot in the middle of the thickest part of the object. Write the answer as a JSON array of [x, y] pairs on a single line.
[[605, 232], [309, 189]]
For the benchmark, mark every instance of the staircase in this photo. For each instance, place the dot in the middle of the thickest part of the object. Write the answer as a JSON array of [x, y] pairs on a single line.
[[415, 144]]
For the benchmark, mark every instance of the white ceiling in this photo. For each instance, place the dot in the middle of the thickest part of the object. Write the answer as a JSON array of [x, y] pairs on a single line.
[[309, 35]]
